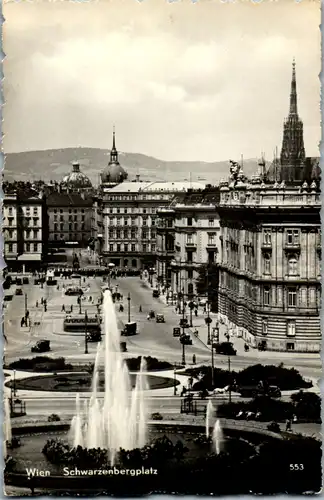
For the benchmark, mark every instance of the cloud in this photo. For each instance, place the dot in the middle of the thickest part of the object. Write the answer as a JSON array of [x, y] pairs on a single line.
[[181, 81]]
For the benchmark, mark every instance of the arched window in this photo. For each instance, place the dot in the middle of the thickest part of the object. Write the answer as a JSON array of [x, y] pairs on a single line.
[[267, 264], [292, 265]]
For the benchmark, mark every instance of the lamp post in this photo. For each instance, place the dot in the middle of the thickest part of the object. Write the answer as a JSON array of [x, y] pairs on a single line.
[[26, 307], [128, 300], [14, 383], [85, 332], [80, 303], [183, 333], [191, 306], [230, 385], [174, 383]]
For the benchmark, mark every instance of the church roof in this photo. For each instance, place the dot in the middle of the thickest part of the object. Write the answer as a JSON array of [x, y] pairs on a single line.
[[114, 173], [76, 179]]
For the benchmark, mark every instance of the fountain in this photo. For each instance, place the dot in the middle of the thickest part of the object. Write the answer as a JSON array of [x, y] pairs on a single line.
[[209, 415], [121, 421], [217, 437], [217, 434], [7, 426]]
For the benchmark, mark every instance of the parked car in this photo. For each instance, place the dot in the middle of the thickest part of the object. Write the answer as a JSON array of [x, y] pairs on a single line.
[[19, 291], [226, 348], [41, 346], [160, 318], [74, 291], [184, 322], [156, 293], [123, 346], [94, 336]]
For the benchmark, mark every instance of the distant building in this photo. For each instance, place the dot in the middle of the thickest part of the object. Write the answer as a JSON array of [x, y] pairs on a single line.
[[114, 173], [129, 220], [187, 237], [24, 230], [270, 265], [76, 180], [70, 218]]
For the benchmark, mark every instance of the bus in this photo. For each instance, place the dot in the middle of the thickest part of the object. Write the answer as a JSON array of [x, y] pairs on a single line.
[[80, 323]]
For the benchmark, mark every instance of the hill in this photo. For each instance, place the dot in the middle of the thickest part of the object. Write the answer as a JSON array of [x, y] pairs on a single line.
[[53, 164]]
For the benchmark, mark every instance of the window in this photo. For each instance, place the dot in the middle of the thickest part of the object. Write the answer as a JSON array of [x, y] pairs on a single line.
[[35, 211], [118, 233], [133, 248], [82, 211], [133, 235], [125, 222], [70, 218], [35, 247], [82, 227], [190, 289], [153, 222], [266, 296], [61, 211], [189, 221], [118, 248], [55, 236], [111, 210], [144, 248], [70, 211], [10, 222], [10, 247], [55, 217], [264, 327], [144, 222], [153, 247], [189, 239], [61, 227], [144, 210], [118, 210], [82, 218], [55, 227], [61, 217], [55, 211], [290, 346], [111, 248], [75, 217], [189, 257], [70, 236], [210, 222], [125, 248], [153, 234], [293, 237], [292, 265], [75, 227], [35, 233], [211, 239], [27, 247], [111, 233], [10, 210], [118, 222], [190, 274], [125, 210], [133, 222], [75, 211], [266, 264], [144, 235], [291, 328], [267, 237], [70, 227], [292, 297]]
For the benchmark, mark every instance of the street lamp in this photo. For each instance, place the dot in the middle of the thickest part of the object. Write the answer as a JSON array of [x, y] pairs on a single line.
[[85, 332], [191, 306], [174, 383], [129, 300], [230, 385], [80, 303], [26, 308], [183, 333]]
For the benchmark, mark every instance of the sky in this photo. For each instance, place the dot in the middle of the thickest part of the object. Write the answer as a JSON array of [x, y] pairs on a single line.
[[205, 81]]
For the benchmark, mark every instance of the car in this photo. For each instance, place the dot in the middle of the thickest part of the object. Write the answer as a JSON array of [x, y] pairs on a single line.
[[19, 291], [41, 346], [94, 336], [160, 318], [129, 329], [185, 339], [74, 291], [176, 331], [156, 293], [123, 346], [184, 323]]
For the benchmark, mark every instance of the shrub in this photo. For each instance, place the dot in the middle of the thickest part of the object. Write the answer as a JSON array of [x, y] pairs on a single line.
[[54, 418], [273, 427], [41, 364], [151, 364], [307, 405]]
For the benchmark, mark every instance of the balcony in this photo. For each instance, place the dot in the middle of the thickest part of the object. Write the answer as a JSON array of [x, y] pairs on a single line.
[[292, 247], [211, 245], [191, 245], [266, 247]]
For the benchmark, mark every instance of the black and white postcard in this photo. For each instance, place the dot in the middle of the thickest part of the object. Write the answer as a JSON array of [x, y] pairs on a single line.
[[161, 247]]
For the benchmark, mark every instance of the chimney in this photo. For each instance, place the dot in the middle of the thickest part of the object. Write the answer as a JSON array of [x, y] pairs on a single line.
[[137, 177]]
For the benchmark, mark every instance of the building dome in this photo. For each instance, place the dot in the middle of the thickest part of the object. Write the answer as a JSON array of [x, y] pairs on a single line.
[[114, 172], [76, 179]]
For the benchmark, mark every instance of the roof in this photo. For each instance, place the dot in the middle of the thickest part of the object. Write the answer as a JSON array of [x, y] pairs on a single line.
[[114, 172], [30, 256], [76, 178], [57, 199], [156, 186]]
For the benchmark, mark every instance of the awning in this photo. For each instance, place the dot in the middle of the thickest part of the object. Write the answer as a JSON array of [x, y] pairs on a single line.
[[30, 256]]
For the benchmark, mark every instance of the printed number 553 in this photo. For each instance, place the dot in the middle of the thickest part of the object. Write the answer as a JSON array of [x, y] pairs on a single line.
[[296, 466]]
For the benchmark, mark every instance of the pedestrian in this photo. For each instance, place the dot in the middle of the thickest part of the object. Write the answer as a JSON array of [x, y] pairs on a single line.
[[205, 310], [148, 317], [42, 301], [63, 308], [194, 359], [196, 312], [72, 308], [22, 322], [288, 425], [140, 309], [36, 303], [295, 419]]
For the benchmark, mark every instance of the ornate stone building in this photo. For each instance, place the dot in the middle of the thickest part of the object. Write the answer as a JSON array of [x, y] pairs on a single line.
[[187, 237], [270, 268]]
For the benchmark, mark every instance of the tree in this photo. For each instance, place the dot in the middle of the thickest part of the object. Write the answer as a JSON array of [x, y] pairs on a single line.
[[207, 284]]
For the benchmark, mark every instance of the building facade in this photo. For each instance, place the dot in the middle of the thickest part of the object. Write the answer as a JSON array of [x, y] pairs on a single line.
[[70, 219], [24, 230], [270, 266], [129, 221], [187, 237]]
